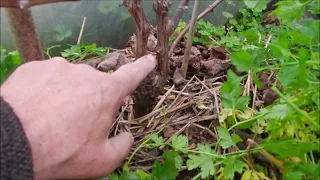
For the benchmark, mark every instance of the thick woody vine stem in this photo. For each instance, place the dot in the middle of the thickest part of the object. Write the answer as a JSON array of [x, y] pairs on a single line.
[[160, 7], [142, 26], [25, 35], [150, 87]]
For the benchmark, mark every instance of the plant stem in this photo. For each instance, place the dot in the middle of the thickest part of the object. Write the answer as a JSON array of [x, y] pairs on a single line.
[[186, 58], [197, 176], [312, 157], [185, 30], [137, 149], [268, 156], [209, 154], [245, 121], [177, 16], [301, 112], [284, 64]]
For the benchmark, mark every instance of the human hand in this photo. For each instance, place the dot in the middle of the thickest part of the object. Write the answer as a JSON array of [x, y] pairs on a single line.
[[67, 110]]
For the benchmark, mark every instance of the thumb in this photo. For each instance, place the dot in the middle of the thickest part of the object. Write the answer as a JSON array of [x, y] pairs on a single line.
[[118, 148]]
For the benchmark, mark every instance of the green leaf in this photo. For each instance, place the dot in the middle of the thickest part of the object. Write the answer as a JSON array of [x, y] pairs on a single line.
[[251, 3], [280, 46], [179, 142], [219, 31], [129, 175], [251, 174], [298, 38], [311, 30], [233, 21], [242, 102], [303, 71], [279, 111], [256, 5], [227, 14], [287, 11], [8, 63], [289, 175], [262, 5], [113, 176], [224, 114], [165, 171], [308, 170], [288, 74], [256, 80], [230, 92], [297, 149], [232, 165], [142, 175], [236, 138], [157, 140], [203, 161], [250, 35], [173, 157], [225, 138], [242, 60], [232, 86]]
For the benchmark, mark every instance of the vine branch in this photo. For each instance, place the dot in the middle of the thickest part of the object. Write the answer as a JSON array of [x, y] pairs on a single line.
[[185, 30], [142, 24], [172, 24], [160, 7]]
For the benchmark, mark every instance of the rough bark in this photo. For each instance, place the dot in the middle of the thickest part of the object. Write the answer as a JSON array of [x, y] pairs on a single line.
[[148, 90], [25, 35], [142, 26], [161, 9], [145, 93]]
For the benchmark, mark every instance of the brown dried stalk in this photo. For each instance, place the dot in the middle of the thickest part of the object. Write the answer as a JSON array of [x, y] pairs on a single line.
[[186, 58]]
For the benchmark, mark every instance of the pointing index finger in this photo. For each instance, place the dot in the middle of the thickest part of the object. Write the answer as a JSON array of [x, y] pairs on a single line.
[[129, 76]]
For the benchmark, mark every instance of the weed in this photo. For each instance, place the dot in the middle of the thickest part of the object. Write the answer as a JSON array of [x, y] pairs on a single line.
[[9, 61], [83, 51]]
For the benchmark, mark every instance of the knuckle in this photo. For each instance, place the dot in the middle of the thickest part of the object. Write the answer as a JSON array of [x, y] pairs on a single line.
[[84, 66], [28, 65], [58, 60]]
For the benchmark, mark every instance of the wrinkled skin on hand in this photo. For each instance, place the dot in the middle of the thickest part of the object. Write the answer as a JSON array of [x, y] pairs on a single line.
[[67, 110]]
